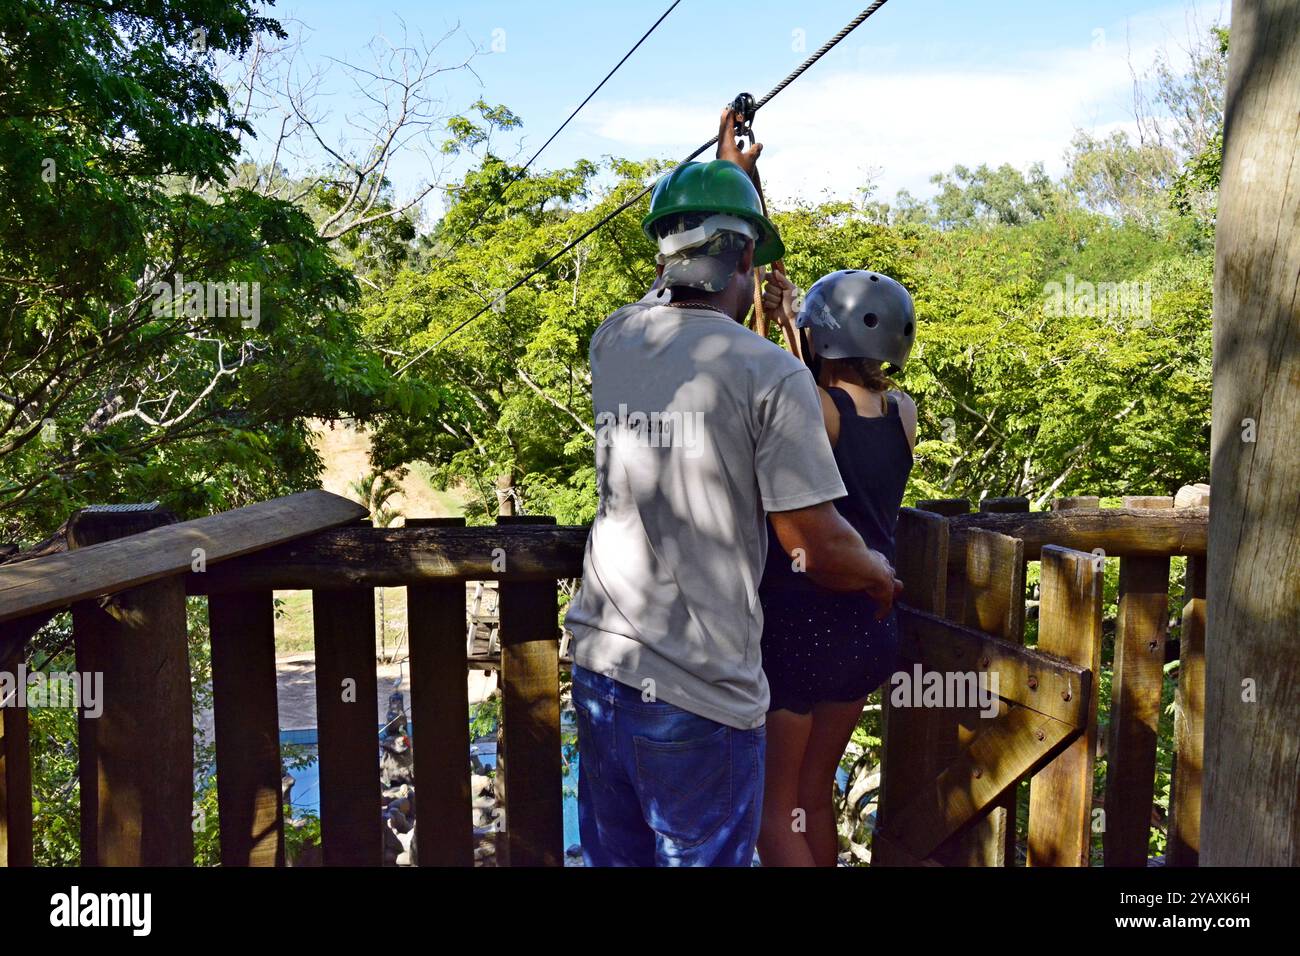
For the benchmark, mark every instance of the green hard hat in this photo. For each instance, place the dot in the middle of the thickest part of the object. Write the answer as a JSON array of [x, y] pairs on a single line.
[[718, 186]]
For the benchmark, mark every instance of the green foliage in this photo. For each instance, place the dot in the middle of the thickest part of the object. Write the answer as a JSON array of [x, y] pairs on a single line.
[[116, 151]]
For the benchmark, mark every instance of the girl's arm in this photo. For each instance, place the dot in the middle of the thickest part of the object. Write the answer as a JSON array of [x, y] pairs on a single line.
[[907, 413], [830, 416]]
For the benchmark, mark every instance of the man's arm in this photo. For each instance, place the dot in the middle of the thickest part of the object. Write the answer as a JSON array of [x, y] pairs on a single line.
[[833, 553]]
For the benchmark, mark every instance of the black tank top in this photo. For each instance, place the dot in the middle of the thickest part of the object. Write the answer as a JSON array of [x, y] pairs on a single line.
[[875, 460]]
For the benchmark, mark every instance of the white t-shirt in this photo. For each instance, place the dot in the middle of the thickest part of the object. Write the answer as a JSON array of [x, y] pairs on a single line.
[[702, 427]]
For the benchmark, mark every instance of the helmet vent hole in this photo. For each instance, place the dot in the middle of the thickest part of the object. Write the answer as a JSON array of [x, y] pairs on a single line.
[[907, 329], [875, 278], [871, 320]]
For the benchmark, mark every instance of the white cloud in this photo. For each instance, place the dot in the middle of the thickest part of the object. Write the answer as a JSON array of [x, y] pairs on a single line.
[[857, 115]]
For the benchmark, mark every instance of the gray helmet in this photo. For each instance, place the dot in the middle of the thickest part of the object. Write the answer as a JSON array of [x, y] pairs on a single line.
[[860, 314]]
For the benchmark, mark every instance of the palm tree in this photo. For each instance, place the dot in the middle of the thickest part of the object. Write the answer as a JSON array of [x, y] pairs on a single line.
[[375, 490]]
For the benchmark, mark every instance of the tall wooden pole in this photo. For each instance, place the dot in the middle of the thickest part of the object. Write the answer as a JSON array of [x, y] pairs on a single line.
[[1251, 813]]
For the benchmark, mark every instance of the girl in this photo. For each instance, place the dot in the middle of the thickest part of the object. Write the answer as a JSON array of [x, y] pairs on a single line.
[[825, 651]]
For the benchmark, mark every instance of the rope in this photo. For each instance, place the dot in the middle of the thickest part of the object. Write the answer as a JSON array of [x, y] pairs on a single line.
[[794, 75], [520, 174]]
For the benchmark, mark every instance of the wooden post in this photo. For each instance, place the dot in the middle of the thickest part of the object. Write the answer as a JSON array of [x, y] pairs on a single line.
[[1251, 811], [1075, 502], [1013, 505], [917, 742], [994, 602], [944, 506], [137, 757], [1060, 795], [1189, 725], [246, 718], [993, 596], [440, 715], [347, 718], [15, 774], [1136, 685], [530, 719]]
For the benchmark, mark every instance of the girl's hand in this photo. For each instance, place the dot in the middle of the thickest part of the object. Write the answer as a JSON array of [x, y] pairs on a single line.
[[778, 299]]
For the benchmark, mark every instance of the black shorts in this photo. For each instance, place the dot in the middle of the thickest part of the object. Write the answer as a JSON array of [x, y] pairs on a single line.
[[822, 647]]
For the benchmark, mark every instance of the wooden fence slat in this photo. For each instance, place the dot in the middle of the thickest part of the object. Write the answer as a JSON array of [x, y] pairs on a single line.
[[918, 742], [1075, 502], [246, 716], [1060, 795], [399, 557], [136, 759], [1136, 685], [440, 716], [1000, 753], [530, 722], [15, 777], [1189, 725], [992, 594], [160, 551], [1012, 505], [347, 709], [1025, 677], [944, 506], [1120, 532]]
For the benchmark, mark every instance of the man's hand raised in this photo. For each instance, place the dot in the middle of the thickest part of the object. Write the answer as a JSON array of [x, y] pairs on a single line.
[[728, 149]]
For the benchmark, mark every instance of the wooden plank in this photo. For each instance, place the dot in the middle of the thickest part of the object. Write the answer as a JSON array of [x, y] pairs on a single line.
[[917, 742], [1025, 676], [1075, 502], [530, 721], [1012, 505], [1000, 755], [993, 601], [137, 757], [246, 716], [1136, 686], [944, 506], [398, 557], [1148, 502], [440, 715], [348, 732], [57, 580], [1120, 532], [15, 776], [1189, 725], [1069, 626]]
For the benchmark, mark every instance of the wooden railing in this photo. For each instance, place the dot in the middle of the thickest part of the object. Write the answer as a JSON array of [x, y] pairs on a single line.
[[950, 776], [125, 576], [948, 788]]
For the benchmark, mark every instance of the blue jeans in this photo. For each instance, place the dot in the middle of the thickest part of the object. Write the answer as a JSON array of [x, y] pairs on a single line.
[[660, 786]]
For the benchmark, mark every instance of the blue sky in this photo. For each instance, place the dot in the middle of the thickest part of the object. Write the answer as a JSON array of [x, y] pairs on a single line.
[[920, 86]]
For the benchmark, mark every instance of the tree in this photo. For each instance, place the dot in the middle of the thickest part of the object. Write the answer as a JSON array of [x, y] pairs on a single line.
[[163, 333], [376, 490]]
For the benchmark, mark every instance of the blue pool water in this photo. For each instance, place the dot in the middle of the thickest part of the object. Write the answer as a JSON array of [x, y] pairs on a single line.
[[306, 786]]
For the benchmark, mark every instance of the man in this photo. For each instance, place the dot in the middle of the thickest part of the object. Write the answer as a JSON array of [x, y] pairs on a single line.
[[702, 427]]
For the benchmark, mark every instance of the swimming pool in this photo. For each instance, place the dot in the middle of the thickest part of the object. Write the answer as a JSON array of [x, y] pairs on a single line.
[[306, 788], [305, 796]]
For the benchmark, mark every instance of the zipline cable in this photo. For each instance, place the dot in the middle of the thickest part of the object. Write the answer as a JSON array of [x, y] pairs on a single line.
[[520, 174], [794, 75]]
